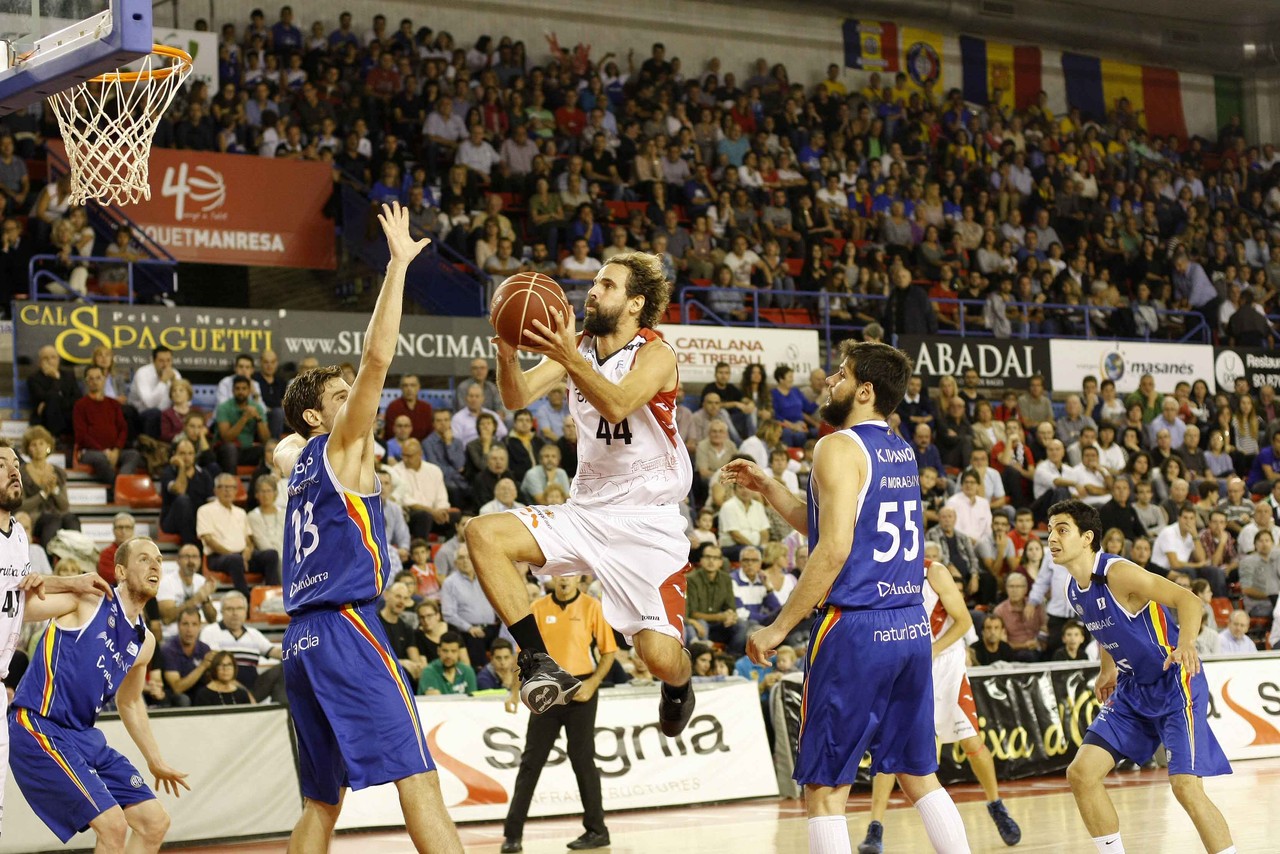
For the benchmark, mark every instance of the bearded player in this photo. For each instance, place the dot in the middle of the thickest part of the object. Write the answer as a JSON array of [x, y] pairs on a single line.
[[955, 717], [95, 648], [1149, 679], [622, 521], [18, 583]]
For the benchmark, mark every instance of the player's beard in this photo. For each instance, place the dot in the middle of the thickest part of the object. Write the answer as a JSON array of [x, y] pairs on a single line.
[[835, 411], [11, 500], [601, 323]]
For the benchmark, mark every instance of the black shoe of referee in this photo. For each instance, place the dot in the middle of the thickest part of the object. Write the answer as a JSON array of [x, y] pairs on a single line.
[[543, 683]]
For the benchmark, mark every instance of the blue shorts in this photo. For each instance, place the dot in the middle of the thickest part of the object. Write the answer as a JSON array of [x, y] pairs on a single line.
[[351, 704], [1173, 710], [868, 687], [69, 776]]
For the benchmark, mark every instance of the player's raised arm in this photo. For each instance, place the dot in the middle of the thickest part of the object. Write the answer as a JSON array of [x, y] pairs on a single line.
[[354, 422], [519, 387], [748, 473], [940, 580], [51, 597], [840, 467], [1134, 587], [133, 714]]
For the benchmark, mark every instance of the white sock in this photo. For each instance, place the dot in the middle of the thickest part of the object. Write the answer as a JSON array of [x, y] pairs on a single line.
[[942, 823], [1231, 850], [1109, 844], [829, 834]]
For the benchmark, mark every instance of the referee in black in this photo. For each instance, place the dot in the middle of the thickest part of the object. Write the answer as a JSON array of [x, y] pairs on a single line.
[[580, 641]]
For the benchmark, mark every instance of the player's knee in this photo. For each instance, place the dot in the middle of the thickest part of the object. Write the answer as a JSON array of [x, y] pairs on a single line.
[[111, 829], [1079, 774], [1186, 788], [150, 823], [326, 813]]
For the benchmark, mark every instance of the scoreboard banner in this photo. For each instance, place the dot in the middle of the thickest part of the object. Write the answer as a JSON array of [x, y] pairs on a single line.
[[1260, 367], [1034, 717], [1125, 362], [700, 348], [1000, 363], [722, 755]]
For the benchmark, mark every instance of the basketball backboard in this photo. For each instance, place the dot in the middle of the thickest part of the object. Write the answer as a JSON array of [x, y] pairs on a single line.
[[48, 45]]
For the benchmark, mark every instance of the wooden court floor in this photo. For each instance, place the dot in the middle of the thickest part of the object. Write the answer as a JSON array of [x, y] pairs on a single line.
[[1151, 821]]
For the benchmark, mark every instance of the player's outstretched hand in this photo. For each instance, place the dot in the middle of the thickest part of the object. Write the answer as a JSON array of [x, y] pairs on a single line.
[[395, 224], [745, 473], [763, 644], [1186, 656], [558, 342], [169, 779], [1105, 685]]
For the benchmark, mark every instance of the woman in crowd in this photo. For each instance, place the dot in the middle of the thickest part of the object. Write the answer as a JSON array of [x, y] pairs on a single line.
[[986, 431], [173, 418], [478, 448], [222, 689], [791, 408], [44, 488], [431, 627], [1245, 426]]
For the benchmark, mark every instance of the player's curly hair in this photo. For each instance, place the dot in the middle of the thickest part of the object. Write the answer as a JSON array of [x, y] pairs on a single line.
[[304, 393], [646, 280]]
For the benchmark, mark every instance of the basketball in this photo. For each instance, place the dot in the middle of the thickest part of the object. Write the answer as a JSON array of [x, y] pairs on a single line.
[[522, 299]]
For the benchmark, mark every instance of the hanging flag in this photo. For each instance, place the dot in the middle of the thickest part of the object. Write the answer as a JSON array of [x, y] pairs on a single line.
[[922, 58], [1095, 86], [1228, 94], [987, 66], [872, 45]]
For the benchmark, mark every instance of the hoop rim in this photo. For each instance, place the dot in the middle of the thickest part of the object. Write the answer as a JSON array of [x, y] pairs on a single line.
[[183, 58]]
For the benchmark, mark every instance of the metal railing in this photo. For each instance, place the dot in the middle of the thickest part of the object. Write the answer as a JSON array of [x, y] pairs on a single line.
[[39, 275], [710, 304]]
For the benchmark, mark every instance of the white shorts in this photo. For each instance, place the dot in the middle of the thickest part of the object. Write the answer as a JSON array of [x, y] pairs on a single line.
[[955, 716], [639, 554]]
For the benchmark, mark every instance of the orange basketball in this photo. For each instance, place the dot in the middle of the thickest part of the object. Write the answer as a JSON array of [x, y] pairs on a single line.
[[522, 299]]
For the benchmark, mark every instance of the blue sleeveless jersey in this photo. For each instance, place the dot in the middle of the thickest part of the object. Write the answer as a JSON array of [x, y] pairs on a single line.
[[74, 672], [885, 568], [1139, 642], [335, 540]]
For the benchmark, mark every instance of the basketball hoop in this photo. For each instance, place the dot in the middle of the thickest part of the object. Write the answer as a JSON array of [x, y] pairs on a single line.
[[108, 123]]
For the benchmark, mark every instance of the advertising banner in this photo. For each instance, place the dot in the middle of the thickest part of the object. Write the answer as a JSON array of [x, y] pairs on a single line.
[[723, 755], [1260, 367], [700, 348], [237, 209], [999, 363], [208, 339], [1124, 363]]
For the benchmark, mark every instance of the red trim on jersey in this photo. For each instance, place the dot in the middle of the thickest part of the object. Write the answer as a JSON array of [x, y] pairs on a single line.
[[966, 703], [663, 404], [937, 619]]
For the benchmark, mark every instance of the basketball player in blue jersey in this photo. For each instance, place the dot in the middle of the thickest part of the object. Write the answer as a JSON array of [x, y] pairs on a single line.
[[352, 707], [868, 685], [622, 521], [1149, 680], [95, 648]]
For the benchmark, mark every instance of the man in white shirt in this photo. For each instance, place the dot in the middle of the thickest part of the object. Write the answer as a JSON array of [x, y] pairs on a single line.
[[742, 261], [149, 393], [1234, 639], [443, 130], [247, 644], [1260, 576], [1263, 520], [477, 154], [1093, 482], [243, 368], [1050, 476], [743, 522], [464, 420], [229, 548], [1177, 546], [422, 491], [1110, 455], [580, 269], [186, 586], [1168, 420], [973, 512]]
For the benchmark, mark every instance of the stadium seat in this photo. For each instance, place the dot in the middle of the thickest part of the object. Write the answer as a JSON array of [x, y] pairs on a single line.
[[225, 580], [796, 454], [258, 597], [617, 211], [138, 491], [76, 465], [1222, 609]]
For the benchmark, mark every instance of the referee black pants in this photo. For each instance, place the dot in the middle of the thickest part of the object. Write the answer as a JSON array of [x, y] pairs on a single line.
[[579, 722]]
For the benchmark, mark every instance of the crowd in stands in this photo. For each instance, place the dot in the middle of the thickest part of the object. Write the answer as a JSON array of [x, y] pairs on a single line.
[[887, 198]]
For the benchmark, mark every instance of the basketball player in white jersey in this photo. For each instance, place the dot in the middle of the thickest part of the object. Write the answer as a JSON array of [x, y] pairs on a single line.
[[622, 521], [17, 582], [955, 717]]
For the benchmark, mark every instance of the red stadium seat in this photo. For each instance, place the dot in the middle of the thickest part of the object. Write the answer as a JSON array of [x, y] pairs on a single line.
[[1222, 609], [224, 579], [138, 491], [258, 596]]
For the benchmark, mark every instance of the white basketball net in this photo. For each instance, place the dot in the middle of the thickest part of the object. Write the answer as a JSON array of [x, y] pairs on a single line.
[[108, 124]]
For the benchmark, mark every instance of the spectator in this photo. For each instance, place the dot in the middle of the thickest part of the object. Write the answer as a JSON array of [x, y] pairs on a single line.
[[1068, 428], [522, 444], [401, 432], [229, 548], [395, 600], [1034, 406], [408, 403], [173, 419], [422, 492], [243, 367], [101, 433], [222, 687], [550, 413], [792, 409], [242, 427], [464, 421], [709, 606], [444, 450], [504, 498], [992, 647], [1023, 622], [1073, 648], [186, 589], [491, 399], [547, 472], [16, 249], [44, 488], [1052, 482], [266, 521], [54, 392], [1177, 546], [580, 640], [123, 527], [1092, 482], [1260, 576], [1119, 513], [185, 658], [185, 487], [447, 674], [466, 609], [958, 553], [927, 453], [711, 410], [15, 184], [908, 310], [743, 522], [711, 454], [431, 628], [500, 672], [248, 646], [271, 385], [1234, 639]]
